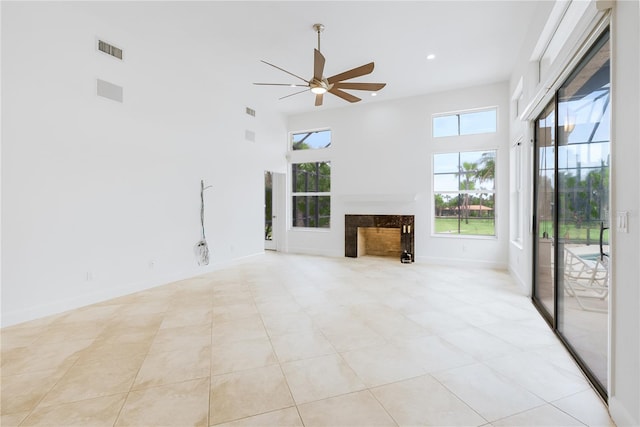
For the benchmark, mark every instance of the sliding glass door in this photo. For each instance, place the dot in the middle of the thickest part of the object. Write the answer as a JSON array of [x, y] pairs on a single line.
[[571, 272]]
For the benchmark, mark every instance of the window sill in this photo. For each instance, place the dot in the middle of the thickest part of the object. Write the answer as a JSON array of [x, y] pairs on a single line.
[[310, 229]]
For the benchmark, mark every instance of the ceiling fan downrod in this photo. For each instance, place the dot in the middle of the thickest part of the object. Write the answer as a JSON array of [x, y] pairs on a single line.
[[319, 28]]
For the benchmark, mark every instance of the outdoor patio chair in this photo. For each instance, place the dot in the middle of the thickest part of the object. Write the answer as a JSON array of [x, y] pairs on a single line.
[[586, 279]]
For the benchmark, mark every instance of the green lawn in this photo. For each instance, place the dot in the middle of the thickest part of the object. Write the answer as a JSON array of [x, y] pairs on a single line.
[[570, 232], [476, 226]]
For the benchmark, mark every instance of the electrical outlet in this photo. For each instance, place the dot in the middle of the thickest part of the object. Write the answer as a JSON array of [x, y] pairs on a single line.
[[152, 264], [89, 276]]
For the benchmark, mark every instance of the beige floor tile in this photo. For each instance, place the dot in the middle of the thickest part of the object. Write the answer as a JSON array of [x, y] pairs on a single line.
[[226, 313], [12, 338], [435, 354], [350, 336], [242, 355], [287, 323], [480, 344], [521, 334], [112, 345], [169, 367], [175, 339], [423, 401], [383, 364], [247, 393], [43, 357], [302, 345], [130, 324], [94, 379], [320, 377], [545, 380], [179, 317], [586, 407], [398, 327], [439, 321], [101, 411], [353, 410], [546, 415], [92, 313], [388, 321], [179, 404], [12, 420], [275, 305], [61, 332], [238, 330], [23, 392], [282, 418], [489, 394]]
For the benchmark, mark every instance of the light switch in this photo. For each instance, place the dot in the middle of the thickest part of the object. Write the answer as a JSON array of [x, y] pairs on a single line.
[[621, 222]]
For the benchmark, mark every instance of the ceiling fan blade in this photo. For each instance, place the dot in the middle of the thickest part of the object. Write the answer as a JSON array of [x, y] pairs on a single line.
[[295, 93], [355, 72], [319, 99], [359, 86], [288, 72], [318, 64], [281, 84], [344, 95]]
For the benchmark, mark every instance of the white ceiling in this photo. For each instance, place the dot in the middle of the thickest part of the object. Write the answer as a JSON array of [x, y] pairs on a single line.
[[475, 42]]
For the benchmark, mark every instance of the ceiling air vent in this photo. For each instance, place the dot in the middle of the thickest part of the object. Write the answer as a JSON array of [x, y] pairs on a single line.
[[109, 49], [250, 111]]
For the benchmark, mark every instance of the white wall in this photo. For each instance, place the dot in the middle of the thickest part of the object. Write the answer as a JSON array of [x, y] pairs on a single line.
[[111, 190], [624, 392], [381, 156], [625, 179], [523, 81]]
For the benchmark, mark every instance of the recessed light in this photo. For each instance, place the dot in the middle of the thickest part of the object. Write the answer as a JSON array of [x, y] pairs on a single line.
[[374, 94], [431, 56]]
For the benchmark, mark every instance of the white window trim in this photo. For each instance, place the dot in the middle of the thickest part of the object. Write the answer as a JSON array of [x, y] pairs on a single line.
[[462, 112], [494, 192], [306, 156]]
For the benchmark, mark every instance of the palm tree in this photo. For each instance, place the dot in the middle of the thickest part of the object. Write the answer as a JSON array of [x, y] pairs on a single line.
[[469, 171], [487, 170]]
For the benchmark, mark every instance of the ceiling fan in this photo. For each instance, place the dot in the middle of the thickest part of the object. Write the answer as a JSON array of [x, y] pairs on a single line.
[[319, 85]]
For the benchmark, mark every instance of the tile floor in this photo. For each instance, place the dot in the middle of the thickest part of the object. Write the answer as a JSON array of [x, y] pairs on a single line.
[[292, 340]]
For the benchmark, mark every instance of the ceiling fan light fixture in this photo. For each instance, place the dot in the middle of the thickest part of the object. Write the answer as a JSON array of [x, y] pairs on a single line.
[[318, 90]]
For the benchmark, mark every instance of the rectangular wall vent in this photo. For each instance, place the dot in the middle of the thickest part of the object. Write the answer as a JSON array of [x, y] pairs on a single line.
[[109, 49], [250, 111], [109, 90]]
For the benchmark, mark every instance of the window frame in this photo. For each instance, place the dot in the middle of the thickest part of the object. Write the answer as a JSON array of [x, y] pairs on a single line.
[[319, 155], [310, 131], [458, 114], [493, 192]]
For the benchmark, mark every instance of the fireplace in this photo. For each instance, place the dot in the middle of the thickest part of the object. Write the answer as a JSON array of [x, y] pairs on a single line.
[[383, 235]]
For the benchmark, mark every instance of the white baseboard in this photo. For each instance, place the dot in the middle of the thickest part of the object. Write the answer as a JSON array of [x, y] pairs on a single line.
[[621, 415], [462, 262], [526, 289]]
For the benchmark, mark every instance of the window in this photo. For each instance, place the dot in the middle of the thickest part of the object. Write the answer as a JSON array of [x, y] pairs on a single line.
[[310, 179], [464, 193], [469, 123], [311, 194], [312, 140]]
